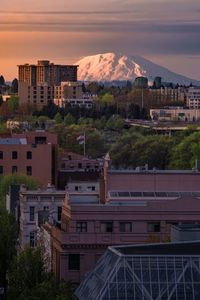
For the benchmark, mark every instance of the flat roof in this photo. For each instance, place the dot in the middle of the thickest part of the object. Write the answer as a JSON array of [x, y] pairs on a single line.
[[181, 248]]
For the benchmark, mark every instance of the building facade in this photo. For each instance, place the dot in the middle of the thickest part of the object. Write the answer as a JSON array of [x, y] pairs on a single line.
[[175, 114], [37, 207], [31, 153], [37, 82], [193, 98]]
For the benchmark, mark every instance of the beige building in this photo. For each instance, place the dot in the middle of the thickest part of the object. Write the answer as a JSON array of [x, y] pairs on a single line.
[[175, 114], [193, 98], [37, 82]]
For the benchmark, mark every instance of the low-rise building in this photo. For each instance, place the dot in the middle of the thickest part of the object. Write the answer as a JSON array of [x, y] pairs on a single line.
[[175, 114], [159, 271], [30, 153]]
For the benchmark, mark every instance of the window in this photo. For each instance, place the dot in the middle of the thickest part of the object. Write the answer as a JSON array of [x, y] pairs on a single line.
[[29, 155], [74, 262], [79, 165], [1, 154], [125, 226], [14, 155], [14, 169], [59, 212], [32, 239], [46, 208], [1, 169], [32, 213], [29, 170], [106, 226], [81, 226], [153, 227]]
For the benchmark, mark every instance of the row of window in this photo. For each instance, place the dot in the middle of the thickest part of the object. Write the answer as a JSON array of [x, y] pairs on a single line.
[[125, 227], [15, 155], [45, 209], [14, 169]]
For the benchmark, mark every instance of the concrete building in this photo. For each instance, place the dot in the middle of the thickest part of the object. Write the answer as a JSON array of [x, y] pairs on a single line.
[[72, 93], [37, 207], [30, 153], [132, 207], [193, 98], [37, 82], [73, 167], [175, 114], [136, 272]]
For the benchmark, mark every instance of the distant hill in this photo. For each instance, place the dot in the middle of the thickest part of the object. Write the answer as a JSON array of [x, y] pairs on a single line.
[[119, 67]]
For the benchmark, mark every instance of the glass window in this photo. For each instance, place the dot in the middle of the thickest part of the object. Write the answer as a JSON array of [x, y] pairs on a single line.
[[1, 154], [153, 227], [29, 155], [81, 226], [1, 169], [14, 155], [74, 262], [32, 239], [106, 226], [59, 212], [125, 226], [14, 169], [29, 170], [32, 213]]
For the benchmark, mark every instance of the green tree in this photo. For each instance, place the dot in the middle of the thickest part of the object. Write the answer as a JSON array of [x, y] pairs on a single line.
[[2, 80], [15, 178], [69, 119], [58, 118], [28, 279], [13, 103], [107, 98], [115, 123], [184, 155], [14, 86], [8, 236]]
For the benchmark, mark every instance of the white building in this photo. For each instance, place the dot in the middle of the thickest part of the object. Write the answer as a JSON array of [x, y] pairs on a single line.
[[175, 114], [193, 98], [37, 207]]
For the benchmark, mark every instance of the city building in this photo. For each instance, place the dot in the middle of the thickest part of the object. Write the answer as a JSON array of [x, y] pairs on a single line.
[[154, 271], [30, 153], [193, 98], [133, 207], [37, 82], [175, 114], [76, 167], [37, 207], [72, 93], [185, 232]]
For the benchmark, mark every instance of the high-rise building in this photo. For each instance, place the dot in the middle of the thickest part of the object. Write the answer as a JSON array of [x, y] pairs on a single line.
[[37, 82], [46, 72]]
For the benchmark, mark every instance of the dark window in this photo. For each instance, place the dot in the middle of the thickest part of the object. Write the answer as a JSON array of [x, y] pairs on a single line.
[[74, 262], [1, 169], [93, 188], [81, 226], [29, 155], [1, 154], [80, 165], [153, 227], [59, 212], [106, 226], [125, 227], [76, 188], [32, 213], [14, 155], [14, 169], [32, 239], [29, 170]]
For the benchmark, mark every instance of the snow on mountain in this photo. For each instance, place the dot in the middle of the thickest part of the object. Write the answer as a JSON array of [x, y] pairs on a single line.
[[113, 66]]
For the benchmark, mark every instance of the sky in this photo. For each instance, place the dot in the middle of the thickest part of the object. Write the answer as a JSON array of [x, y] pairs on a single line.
[[164, 31]]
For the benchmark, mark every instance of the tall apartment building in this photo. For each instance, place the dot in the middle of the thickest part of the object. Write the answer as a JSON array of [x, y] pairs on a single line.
[[37, 82]]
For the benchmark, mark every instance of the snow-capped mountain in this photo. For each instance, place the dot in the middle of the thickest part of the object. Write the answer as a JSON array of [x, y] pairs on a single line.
[[113, 66]]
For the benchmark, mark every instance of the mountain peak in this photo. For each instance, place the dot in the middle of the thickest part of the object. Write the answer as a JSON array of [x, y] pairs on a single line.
[[118, 66]]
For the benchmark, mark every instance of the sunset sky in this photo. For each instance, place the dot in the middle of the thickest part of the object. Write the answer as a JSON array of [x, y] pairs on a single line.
[[164, 31]]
